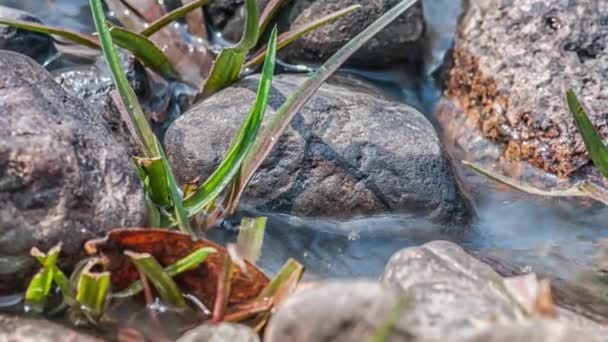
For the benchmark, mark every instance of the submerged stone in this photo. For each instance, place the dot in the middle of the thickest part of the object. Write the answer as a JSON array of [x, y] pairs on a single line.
[[223, 332], [35, 45], [350, 151], [64, 178], [511, 66]]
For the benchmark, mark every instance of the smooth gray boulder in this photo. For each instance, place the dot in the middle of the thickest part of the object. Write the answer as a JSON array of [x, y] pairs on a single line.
[[350, 151], [13, 328], [64, 178], [223, 332], [505, 88], [35, 45]]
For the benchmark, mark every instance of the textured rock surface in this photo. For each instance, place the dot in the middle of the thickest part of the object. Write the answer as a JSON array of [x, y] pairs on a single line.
[[350, 151], [511, 67], [400, 42], [224, 332], [20, 329], [36, 45], [336, 311], [64, 178]]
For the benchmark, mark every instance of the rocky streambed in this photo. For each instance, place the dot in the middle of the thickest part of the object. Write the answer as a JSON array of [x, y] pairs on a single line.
[[365, 187]]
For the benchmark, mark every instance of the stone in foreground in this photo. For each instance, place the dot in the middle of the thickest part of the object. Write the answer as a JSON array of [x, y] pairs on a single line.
[[13, 328], [64, 179], [505, 97], [223, 332], [350, 151]]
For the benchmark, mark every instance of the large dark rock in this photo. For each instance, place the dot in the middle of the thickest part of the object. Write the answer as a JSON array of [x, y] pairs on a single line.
[[350, 151], [223, 332], [512, 63], [13, 328], [64, 178], [36, 45], [399, 43]]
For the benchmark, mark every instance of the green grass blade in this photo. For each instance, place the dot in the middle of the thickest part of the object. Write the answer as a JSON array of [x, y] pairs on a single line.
[[92, 291], [279, 123], [73, 36], [39, 287], [156, 180], [595, 145], [295, 34], [185, 264], [290, 272], [143, 49], [228, 65], [166, 288], [242, 143], [168, 18], [251, 238]]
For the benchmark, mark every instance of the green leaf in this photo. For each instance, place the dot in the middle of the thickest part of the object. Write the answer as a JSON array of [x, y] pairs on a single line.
[[595, 145], [251, 238], [166, 288], [76, 37], [143, 49], [281, 120], [289, 276], [242, 142], [137, 122], [40, 286], [92, 291], [292, 35], [228, 65], [168, 18], [155, 178], [187, 263]]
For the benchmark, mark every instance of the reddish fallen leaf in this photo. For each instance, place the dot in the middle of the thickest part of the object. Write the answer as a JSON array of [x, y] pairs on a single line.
[[168, 247]]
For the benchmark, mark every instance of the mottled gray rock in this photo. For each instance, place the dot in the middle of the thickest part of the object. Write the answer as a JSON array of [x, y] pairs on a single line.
[[223, 332], [511, 67], [13, 328], [337, 311], [350, 151], [36, 45], [400, 43], [450, 290], [64, 178]]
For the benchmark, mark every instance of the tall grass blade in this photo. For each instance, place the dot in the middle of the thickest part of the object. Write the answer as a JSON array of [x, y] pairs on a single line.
[[187, 263], [137, 121], [595, 145], [251, 238], [279, 123], [228, 65], [76, 37], [92, 291], [166, 288], [242, 143], [155, 180], [143, 49], [295, 34], [39, 287], [168, 18]]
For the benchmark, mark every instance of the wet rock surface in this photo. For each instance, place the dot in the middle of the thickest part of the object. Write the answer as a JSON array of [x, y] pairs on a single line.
[[64, 178], [399, 43], [36, 45], [511, 68], [21, 329], [223, 332], [349, 151]]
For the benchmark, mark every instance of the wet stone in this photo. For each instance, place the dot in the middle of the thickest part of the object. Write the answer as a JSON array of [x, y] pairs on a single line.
[[511, 66], [223, 332], [64, 178], [350, 151], [36, 45], [13, 328]]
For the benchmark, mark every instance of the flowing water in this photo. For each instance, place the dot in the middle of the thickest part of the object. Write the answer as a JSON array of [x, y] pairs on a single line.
[[557, 237]]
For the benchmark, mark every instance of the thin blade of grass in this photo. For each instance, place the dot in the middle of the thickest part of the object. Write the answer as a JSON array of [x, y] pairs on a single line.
[[251, 238], [242, 142], [144, 50], [227, 67], [293, 35], [595, 145], [39, 287], [272, 7], [279, 123], [166, 288], [156, 179], [136, 120], [172, 16], [185, 264], [73, 36], [60, 279], [223, 290], [92, 291]]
